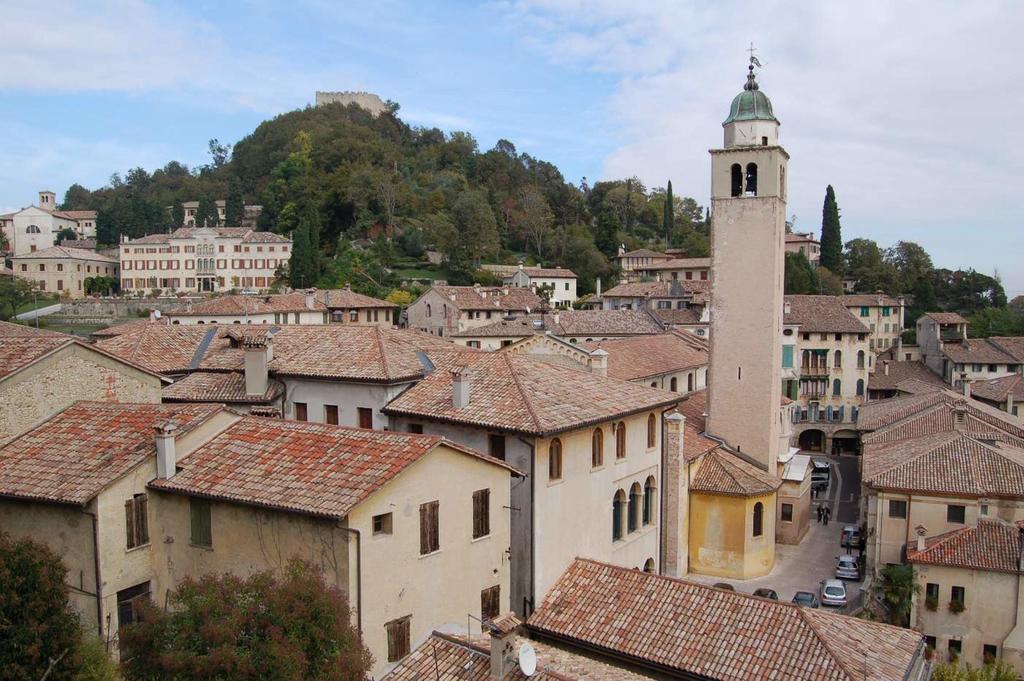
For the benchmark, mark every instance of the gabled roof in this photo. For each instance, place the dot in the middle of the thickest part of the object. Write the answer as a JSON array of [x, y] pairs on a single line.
[[631, 359], [61, 252], [1011, 345], [673, 316], [491, 297], [978, 351], [330, 351], [126, 327], [946, 317], [685, 288], [23, 346], [722, 472], [569, 323], [880, 413], [523, 394], [932, 412], [12, 330], [826, 314], [870, 300], [302, 467], [998, 389], [553, 272], [206, 386], [889, 374], [991, 546], [75, 454], [687, 628]]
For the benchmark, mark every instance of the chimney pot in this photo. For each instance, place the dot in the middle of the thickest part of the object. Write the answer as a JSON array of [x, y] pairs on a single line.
[[786, 307], [310, 298], [166, 457], [885, 367], [921, 532], [460, 387], [259, 351], [504, 659], [599, 362]]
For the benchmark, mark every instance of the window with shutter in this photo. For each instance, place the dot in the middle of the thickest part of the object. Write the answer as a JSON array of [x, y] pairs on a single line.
[[490, 602], [398, 638], [202, 531], [481, 513], [136, 521], [429, 534]]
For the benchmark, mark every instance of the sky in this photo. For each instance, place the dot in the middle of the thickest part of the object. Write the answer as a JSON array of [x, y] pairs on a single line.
[[912, 111]]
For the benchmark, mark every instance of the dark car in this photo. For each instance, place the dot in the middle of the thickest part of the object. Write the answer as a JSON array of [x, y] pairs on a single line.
[[806, 599], [723, 585], [767, 593]]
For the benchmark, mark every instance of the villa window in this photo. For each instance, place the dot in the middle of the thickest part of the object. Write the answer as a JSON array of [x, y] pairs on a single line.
[[758, 519], [652, 431], [555, 460], [597, 448], [618, 505], [620, 440], [649, 489]]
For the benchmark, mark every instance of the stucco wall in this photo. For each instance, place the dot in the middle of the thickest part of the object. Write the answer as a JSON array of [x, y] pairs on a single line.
[[347, 396], [74, 373], [721, 535]]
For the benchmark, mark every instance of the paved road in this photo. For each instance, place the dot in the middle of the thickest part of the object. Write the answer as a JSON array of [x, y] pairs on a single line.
[[802, 567]]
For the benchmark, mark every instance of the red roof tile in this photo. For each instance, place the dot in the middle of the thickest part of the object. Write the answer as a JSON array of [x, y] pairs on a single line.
[[205, 386], [991, 545], [826, 314], [17, 352], [998, 389], [631, 359], [491, 297], [722, 472], [898, 372], [523, 394], [946, 317], [302, 467], [281, 302], [75, 454], [696, 629], [570, 323]]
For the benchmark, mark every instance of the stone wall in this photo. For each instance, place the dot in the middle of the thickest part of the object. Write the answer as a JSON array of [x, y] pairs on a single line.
[[367, 100]]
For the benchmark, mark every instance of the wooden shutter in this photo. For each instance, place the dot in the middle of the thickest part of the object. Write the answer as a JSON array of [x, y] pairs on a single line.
[[129, 521], [481, 513], [490, 602], [429, 531], [141, 520], [398, 638]]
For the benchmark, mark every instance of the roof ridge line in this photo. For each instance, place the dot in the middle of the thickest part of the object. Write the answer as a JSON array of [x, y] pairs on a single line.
[[379, 335], [522, 391], [828, 646]]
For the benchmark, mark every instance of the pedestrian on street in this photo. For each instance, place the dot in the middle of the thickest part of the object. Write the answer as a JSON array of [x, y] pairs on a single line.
[[827, 514], [820, 514]]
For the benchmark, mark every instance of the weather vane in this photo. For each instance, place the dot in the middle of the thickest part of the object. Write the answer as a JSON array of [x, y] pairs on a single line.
[[754, 60]]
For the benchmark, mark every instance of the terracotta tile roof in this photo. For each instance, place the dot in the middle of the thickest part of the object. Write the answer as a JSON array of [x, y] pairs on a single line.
[[554, 272], [246, 234], [722, 472], [1011, 345], [695, 629], [523, 394], [800, 238], [679, 264], [329, 351], [17, 352], [870, 300], [281, 302], [60, 252], [643, 253], [915, 386], [991, 545], [75, 454], [631, 359], [84, 244], [690, 315], [875, 415], [127, 327], [946, 317], [205, 386], [686, 288], [825, 314], [899, 372], [77, 214], [946, 463], [695, 443], [570, 323], [298, 466], [997, 389], [695, 408], [977, 351], [12, 330], [491, 297], [254, 237]]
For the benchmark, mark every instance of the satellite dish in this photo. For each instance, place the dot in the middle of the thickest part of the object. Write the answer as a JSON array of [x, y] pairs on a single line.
[[156, 313], [527, 659]]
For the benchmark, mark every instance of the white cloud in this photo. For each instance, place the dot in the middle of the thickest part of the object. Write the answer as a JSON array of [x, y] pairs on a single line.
[[908, 109]]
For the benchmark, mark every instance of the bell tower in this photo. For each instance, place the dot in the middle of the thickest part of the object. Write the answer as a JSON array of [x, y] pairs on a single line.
[[748, 218]]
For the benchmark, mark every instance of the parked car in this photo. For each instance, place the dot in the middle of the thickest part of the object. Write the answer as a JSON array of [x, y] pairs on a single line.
[[850, 536], [821, 474], [767, 593], [724, 585], [847, 567], [833, 592], [806, 599]]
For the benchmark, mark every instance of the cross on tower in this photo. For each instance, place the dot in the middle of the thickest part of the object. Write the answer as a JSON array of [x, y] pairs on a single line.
[[753, 60]]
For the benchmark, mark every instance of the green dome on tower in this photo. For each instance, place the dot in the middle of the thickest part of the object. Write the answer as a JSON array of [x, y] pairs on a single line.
[[751, 104]]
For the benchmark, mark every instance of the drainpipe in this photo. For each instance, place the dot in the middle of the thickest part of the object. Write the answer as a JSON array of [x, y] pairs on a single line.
[[533, 532], [96, 567], [359, 578]]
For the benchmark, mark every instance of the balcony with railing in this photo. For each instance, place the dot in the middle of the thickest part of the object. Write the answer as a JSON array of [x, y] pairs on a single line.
[[815, 369]]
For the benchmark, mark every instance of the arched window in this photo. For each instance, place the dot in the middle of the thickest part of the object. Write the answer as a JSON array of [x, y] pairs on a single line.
[[620, 440], [837, 388], [649, 565], [652, 431], [618, 507], [838, 361], [674, 384], [429, 311], [751, 179], [860, 359], [555, 460], [737, 179], [648, 517], [635, 502], [758, 519], [32, 229], [860, 387], [597, 448], [689, 383]]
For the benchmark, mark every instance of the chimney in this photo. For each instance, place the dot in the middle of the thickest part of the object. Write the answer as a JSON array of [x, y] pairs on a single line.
[[921, 532], [310, 298], [885, 367], [504, 658], [460, 387], [598, 287], [965, 384], [673, 524], [599, 362], [785, 307], [188, 305], [166, 457], [1009, 403], [259, 350], [554, 317]]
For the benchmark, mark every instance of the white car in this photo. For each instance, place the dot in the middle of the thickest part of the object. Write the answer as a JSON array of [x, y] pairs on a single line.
[[833, 592], [847, 567]]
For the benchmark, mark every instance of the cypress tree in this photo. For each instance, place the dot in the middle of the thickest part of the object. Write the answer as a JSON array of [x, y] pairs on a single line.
[[670, 214], [177, 214], [300, 266], [831, 234], [234, 207], [206, 212]]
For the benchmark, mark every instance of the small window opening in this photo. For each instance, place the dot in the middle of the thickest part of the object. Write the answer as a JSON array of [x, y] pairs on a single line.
[[751, 179], [737, 179]]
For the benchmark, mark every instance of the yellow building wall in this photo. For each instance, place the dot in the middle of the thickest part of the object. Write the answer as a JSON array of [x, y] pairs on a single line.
[[721, 535], [74, 373]]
